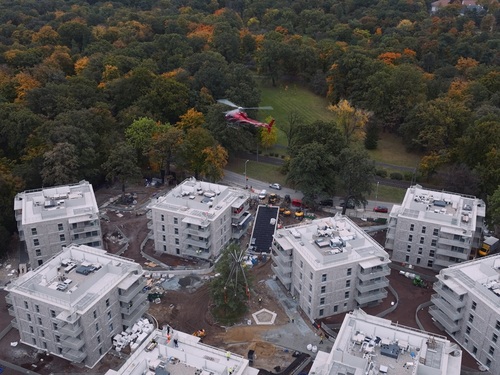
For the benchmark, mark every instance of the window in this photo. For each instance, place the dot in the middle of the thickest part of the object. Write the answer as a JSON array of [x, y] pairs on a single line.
[[418, 260], [321, 312], [412, 227], [311, 275], [300, 276], [349, 271], [345, 305], [36, 242], [33, 232], [407, 259], [177, 241], [301, 264], [163, 238], [110, 327], [164, 247], [422, 240], [59, 350], [467, 330], [162, 217], [433, 243], [492, 350], [107, 302], [494, 338], [471, 318], [310, 287], [62, 237], [163, 228], [54, 326], [97, 327], [31, 329], [431, 253], [25, 304], [430, 263], [28, 316], [346, 295], [42, 333], [423, 230], [95, 314], [488, 362], [40, 262], [60, 226], [38, 252], [176, 230], [347, 283], [176, 220], [410, 238], [34, 341], [420, 251], [177, 251], [474, 350], [58, 338], [37, 308], [109, 315], [310, 299], [323, 277], [322, 301], [40, 321], [474, 305], [98, 339], [408, 248], [435, 232], [323, 289], [335, 308], [497, 326]]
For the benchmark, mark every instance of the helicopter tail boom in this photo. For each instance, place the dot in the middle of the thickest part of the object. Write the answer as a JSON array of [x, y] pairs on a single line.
[[270, 125]]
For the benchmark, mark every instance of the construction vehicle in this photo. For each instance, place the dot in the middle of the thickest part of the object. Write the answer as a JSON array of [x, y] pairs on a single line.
[[273, 198], [490, 246], [418, 281], [200, 333]]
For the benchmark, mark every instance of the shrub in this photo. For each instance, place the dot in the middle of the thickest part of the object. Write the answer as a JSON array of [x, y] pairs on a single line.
[[381, 173], [396, 176], [408, 176]]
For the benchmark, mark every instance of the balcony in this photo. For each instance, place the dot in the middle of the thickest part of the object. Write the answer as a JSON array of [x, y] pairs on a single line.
[[70, 330], [127, 295], [374, 273], [12, 311], [205, 233], [285, 278], [391, 232], [452, 242], [449, 325], [82, 240], [444, 262], [134, 317], [196, 252], [283, 261], [72, 342], [446, 308], [74, 355], [204, 243], [8, 299], [137, 301], [370, 297], [14, 324], [450, 253], [452, 298], [372, 285]]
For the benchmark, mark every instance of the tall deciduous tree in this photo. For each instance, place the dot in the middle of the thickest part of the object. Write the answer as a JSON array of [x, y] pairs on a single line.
[[191, 156], [494, 210], [164, 147], [215, 161], [350, 121], [355, 175], [60, 165], [122, 165]]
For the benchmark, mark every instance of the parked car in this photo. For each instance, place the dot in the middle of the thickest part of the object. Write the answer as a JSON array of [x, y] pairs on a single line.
[[275, 186], [326, 202], [263, 194], [382, 209]]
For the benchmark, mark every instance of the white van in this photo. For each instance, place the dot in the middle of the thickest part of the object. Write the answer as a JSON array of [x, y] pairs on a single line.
[[263, 194]]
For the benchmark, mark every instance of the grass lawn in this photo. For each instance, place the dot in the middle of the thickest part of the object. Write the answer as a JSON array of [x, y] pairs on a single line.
[[259, 171], [392, 151], [387, 194]]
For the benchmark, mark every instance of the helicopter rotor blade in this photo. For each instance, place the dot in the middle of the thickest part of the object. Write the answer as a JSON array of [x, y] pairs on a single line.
[[227, 102], [263, 108]]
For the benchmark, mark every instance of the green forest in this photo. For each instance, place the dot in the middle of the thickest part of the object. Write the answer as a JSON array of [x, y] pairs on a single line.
[[121, 90]]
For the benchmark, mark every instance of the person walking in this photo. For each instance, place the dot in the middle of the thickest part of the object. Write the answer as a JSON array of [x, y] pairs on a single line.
[[321, 339]]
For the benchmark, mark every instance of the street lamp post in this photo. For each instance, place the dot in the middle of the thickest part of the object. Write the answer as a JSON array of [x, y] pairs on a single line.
[[376, 191], [246, 179]]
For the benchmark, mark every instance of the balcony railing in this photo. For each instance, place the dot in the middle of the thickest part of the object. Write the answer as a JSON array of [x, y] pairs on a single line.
[[450, 297], [205, 243], [452, 242], [370, 274], [450, 253], [133, 318], [12, 311], [137, 301], [74, 355], [446, 308], [444, 262], [70, 330], [205, 233], [8, 299], [372, 285], [285, 278], [449, 325], [126, 296], [199, 253], [72, 342], [370, 297], [14, 323]]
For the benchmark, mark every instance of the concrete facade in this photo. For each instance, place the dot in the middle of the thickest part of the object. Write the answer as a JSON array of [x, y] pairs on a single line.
[[330, 265], [50, 218], [467, 306], [370, 345], [435, 229], [182, 354], [198, 219], [74, 304]]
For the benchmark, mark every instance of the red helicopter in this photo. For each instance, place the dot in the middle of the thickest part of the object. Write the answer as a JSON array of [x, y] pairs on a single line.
[[239, 117]]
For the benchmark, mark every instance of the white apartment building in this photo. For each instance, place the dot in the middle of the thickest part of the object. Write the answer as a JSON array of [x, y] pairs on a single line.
[[50, 218], [467, 306], [199, 218], [330, 265], [73, 305], [183, 354], [370, 345], [435, 229]]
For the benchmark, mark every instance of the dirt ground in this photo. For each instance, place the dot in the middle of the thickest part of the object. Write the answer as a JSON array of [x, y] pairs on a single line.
[[187, 309]]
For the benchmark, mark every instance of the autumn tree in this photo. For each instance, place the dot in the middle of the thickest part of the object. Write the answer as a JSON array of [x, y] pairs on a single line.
[[268, 138], [215, 161], [163, 147], [350, 121], [191, 155], [191, 119], [60, 165], [121, 165]]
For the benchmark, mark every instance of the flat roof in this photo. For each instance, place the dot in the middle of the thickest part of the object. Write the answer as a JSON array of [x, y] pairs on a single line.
[[330, 241], [368, 343], [77, 277], [199, 200], [76, 201]]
